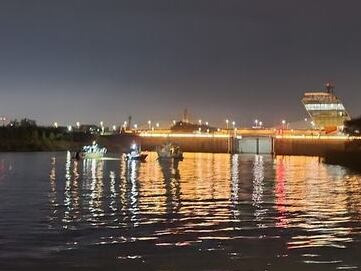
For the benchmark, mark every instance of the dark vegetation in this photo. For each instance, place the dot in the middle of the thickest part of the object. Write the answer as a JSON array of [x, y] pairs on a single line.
[[353, 127], [25, 135]]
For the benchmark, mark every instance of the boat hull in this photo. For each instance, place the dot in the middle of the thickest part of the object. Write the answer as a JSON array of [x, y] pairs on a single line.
[[140, 157], [92, 155]]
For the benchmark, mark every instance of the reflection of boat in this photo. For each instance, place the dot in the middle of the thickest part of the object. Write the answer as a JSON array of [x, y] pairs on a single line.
[[170, 168], [135, 153], [170, 151], [91, 152], [171, 182]]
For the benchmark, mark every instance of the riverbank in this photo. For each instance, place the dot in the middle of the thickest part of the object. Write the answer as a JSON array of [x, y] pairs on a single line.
[[27, 139], [18, 139]]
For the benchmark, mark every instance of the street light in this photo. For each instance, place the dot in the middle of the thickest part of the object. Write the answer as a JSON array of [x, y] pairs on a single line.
[[206, 123], [3, 119], [55, 124], [114, 128], [157, 124], [70, 128], [174, 122], [149, 124], [260, 124], [227, 123], [78, 124], [233, 124], [135, 126], [102, 126], [283, 124]]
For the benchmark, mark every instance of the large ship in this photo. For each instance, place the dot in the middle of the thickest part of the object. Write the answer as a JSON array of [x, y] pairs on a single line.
[[325, 108]]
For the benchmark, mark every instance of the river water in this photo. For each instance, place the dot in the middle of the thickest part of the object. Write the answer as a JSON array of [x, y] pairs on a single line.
[[207, 212]]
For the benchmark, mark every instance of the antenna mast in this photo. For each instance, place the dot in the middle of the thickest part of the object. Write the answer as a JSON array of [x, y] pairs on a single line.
[[330, 86]]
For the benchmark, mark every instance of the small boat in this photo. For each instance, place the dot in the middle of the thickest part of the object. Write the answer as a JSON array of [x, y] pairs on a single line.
[[135, 153], [170, 151], [91, 152]]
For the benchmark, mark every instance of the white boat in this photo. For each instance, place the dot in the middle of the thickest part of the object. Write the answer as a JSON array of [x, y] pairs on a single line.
[[135, 153], [91, 152], [169, 151]]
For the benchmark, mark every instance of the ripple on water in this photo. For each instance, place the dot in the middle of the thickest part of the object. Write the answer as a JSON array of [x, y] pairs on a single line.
[[210, 211]]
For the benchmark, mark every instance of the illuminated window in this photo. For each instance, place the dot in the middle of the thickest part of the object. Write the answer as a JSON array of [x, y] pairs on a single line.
[[324, 107]]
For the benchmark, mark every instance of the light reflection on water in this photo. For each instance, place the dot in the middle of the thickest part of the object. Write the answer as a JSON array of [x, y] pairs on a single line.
[[316, 199], [209, 211]]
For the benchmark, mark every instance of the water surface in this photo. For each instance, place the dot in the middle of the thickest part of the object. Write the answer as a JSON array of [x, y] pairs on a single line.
[[208, 212]]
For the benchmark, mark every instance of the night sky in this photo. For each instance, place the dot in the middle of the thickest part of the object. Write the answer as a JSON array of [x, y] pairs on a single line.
[[87, 61]]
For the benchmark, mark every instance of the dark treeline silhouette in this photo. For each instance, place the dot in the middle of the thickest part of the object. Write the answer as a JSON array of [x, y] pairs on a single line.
[[22, 123], [25, 135], [353, 127]]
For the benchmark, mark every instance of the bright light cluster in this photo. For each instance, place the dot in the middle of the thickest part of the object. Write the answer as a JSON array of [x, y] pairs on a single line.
[[187, 135], [317, 137], [324, 106]]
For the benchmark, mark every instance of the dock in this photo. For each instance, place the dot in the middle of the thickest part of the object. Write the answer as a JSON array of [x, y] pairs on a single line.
[[251, 141]]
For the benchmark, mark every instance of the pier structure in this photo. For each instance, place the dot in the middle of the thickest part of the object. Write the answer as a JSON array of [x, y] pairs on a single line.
[[266, 141], [252, 141]]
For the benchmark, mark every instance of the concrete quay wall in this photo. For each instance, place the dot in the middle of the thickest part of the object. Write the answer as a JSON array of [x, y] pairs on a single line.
[[310, 147], [276, 145], [262, 145], [188, 144]]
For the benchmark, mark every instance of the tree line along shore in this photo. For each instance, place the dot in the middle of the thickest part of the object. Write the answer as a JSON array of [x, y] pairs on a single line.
[[41, 139]]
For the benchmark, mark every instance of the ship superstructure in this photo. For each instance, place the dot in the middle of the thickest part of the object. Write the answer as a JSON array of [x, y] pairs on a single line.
[[325, 108]]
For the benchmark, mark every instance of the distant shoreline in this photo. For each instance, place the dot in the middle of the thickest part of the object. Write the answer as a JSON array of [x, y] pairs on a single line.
[[37, 139], [28, 139], [48, 139]]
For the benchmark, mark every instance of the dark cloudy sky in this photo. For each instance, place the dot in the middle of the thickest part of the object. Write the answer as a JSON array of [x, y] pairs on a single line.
[[87, 60]]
